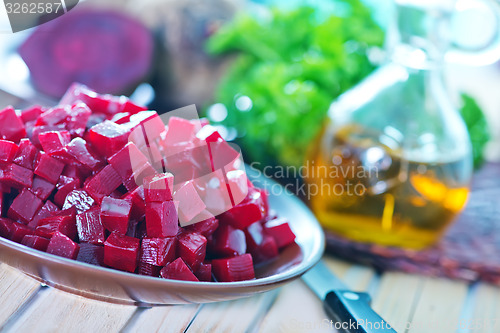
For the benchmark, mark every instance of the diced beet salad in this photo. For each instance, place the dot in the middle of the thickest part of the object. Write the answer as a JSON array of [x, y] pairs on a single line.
[[101, 180]]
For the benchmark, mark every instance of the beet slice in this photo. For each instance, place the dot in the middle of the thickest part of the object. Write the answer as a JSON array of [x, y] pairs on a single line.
[[61, 245], [11, 126], [16, 176], [204, 272], [161, 219], [178, 270], [53, 142], [19, 231], [159, 187], [106, 50], [79, 199], [81, 152], [65, 224], [192, 249], [115, 214], [238, 268], [5, 227], [102, 106], [280, 230], [8, 151], [265, 251], [103, 183], [228, 242], [251, 210], [89, 226], [24, 206], [206, 227], [91, 254], [48, 209], [36, 242], [26, 154], [42, 188], [158, 251], [108, 138], [148, 269], [127, 160], [49, 168], [64, 186], [121, 252]]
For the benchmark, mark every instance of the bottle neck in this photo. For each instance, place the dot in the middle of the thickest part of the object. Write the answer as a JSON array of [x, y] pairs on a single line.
[[419, 34]]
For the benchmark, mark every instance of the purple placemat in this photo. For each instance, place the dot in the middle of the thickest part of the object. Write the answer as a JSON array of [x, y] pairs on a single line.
[[470, 250]]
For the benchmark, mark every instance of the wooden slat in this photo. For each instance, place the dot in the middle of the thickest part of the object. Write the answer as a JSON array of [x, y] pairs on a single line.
[[440, 303], [297, 309], [15, 289], [234, 316], [485, 317], [396, 297], [57, 311], [174, 318]]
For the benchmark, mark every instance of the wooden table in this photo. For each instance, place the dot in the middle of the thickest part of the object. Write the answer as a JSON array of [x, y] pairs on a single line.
[[402, 299]]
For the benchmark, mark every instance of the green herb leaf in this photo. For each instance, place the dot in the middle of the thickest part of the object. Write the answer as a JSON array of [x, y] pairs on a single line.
[[477, 126]]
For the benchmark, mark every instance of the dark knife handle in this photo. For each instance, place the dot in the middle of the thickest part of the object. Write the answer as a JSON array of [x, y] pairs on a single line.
[[352, 313]]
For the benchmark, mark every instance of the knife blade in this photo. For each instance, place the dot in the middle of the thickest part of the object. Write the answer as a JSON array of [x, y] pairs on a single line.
[[350, 310]]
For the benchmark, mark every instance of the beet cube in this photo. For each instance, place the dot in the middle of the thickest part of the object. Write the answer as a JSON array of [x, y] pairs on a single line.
[[47, 210], [136, 197], [254, 235], [161, 219], [190, 203], [121, 252], [148, 269], [49, 168], [42, 188], [24, 206], [76, 121], [280, 230], [89, 226], [32, 113], [65, 224], [16, 176], [158, 251], [36, 242], [178, 270], [204, 272], [206, 227], [179, 130], [26, 154], [19, 231], [159, 187], [62, 245], [79, 199], [53, 116], [103, 183], [127, 160], [108, 137], [150, 123], [8, 150], [228, 242], [115, 214], [54, 141], [91, 254], [64, 187], [81, 152], [192, 249], [266, 250], [137, 178], [251, 210], [5, 227], [233, 269], [11, 127]]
